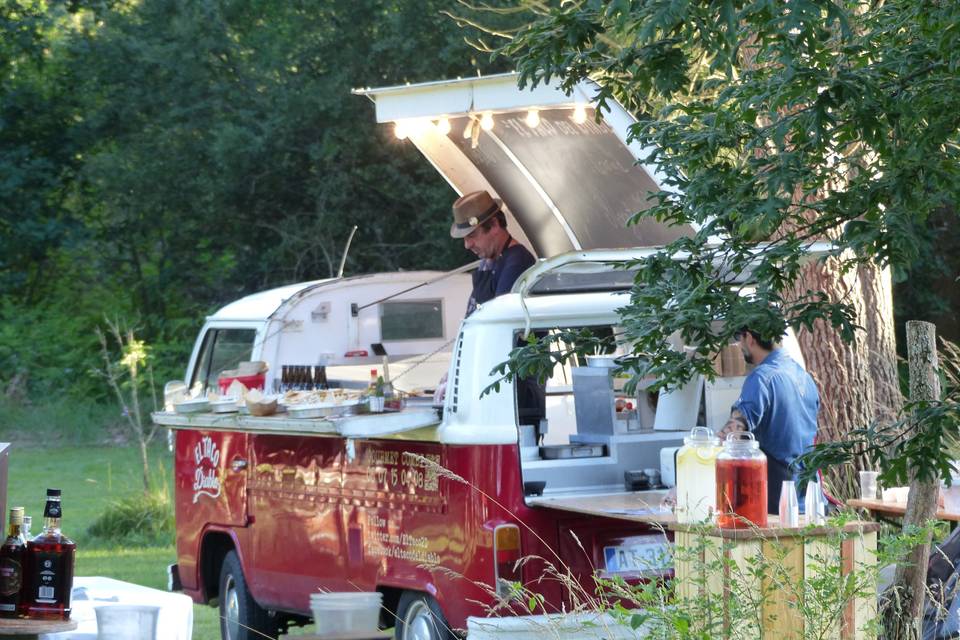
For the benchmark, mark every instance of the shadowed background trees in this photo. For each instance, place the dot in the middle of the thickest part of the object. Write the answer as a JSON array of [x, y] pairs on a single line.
[[160, 158]]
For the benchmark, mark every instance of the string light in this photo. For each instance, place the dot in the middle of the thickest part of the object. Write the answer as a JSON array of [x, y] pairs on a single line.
[[443, 126], [533, 118], [468, 130], [580, 114], [400, 130], [486, 121]]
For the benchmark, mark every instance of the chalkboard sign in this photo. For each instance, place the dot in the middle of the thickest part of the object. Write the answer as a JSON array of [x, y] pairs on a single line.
[[584, 169]]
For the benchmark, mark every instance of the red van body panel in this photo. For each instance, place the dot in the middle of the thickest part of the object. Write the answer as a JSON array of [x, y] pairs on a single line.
[[311, 513]]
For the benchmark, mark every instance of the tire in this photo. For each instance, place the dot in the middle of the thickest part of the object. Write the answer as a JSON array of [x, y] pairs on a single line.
[[419, 618], [241, 618]]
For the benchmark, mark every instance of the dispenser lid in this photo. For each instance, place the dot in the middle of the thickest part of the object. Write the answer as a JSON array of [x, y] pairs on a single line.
[[741, 441], [700, 436]]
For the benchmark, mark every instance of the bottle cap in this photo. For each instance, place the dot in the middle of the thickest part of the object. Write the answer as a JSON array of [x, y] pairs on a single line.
[[53, 492], [16, 515]]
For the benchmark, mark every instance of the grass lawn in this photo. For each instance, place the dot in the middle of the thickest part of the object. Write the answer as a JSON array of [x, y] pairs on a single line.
[[91, 478]]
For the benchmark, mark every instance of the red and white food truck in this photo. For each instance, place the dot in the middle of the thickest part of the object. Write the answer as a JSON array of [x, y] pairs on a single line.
[[434, 508]]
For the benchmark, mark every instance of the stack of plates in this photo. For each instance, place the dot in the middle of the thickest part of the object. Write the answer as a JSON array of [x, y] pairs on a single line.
[[224, 405], [192, 406]]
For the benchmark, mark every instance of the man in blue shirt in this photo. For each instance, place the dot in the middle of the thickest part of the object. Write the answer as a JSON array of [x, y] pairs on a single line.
[[478, 219], [778, 403]]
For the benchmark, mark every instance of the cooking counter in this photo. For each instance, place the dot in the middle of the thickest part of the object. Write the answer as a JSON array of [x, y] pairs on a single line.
[[636, 506], [368, 425]]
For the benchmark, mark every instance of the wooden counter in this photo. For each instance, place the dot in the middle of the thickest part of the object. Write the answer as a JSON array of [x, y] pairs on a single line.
[[897, 509], [369, 425], [31, 629], [763, 575]]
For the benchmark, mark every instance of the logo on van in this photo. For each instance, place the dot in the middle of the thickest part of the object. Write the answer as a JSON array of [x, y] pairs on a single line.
[[206, 480]]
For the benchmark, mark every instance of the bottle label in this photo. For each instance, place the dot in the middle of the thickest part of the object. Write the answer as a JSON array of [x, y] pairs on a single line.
[[47, 567], [11, 574]]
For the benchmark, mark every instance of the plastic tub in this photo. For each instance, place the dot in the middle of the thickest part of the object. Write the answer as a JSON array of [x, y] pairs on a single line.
[[346, 613], [127, 622]]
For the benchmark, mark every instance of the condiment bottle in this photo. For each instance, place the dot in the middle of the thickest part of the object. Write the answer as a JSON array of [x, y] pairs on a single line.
[[741, 483], [697, 476]]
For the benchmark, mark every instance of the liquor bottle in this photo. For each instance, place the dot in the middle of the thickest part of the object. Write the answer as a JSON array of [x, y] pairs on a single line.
[[49, 573], [320, 376], [372, 387], [27, 522], [11, 566]]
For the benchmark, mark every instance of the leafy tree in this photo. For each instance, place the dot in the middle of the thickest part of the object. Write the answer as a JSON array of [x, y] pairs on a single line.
[[164, 157], [775, 124]]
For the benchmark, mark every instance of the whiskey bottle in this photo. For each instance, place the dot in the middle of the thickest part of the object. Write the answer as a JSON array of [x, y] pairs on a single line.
[[11, 566], [50, 557]]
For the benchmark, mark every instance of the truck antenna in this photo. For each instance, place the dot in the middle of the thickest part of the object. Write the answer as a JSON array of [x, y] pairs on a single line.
[[346, 250]]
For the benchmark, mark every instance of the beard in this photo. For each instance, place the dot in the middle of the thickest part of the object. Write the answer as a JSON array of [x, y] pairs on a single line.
[[747, 356]]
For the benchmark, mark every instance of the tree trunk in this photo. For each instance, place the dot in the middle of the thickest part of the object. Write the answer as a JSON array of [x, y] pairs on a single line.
[[145, 460], [903, 616], [857, 381]]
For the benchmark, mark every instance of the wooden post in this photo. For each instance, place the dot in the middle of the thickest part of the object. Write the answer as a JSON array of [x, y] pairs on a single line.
[[904, 615]]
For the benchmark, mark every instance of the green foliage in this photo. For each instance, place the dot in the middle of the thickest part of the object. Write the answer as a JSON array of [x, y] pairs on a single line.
[[140, 520], [773, 124], [59, 421], [159, 159]]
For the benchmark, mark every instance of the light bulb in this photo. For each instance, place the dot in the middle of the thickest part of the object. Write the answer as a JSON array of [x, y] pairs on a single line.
[[468, 130], [580, 114], [533, 118], [400, 130], [486, 122], [443, 126]]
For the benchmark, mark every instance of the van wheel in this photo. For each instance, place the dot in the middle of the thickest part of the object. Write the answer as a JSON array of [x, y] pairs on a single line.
[[241, 618], [419, 618]]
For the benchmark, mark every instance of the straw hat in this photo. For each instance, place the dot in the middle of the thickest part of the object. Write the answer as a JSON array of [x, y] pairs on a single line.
[[472, 210]]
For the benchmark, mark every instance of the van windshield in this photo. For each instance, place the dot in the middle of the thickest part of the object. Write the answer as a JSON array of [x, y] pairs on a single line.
[[222, 349]]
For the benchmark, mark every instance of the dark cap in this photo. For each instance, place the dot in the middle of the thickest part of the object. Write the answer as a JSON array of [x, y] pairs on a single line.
[[53, 492]]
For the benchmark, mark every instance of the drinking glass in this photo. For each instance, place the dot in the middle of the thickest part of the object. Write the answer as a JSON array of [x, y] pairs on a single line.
[[789, 505], [868, 485]]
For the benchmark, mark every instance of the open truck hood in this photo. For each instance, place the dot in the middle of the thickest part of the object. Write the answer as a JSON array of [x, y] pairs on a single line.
[[568, 184]]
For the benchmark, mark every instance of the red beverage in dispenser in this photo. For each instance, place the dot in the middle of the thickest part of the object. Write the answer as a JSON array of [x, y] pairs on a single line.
[[741, 483], [741, 493]]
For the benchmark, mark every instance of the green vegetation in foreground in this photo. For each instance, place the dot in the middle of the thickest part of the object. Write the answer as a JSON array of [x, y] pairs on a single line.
[[92, 477]]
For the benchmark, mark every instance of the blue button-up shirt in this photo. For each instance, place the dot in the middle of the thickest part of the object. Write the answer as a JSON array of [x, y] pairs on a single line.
[[779, 401]]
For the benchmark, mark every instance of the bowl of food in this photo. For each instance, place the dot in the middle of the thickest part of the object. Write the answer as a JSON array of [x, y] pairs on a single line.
[[261, 405]]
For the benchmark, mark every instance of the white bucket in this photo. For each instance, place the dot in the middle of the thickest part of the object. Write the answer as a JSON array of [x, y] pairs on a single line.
[[127, 622], [346, 613]]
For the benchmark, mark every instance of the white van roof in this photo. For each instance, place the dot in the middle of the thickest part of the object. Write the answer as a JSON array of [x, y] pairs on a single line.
[[263, 305], [570, 185]]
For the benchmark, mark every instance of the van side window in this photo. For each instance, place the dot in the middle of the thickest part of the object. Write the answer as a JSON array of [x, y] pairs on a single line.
[[411, 320], [222, 349]]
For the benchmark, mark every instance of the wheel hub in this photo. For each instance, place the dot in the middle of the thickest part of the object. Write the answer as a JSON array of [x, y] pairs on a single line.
[[419, 623], [232, 609]]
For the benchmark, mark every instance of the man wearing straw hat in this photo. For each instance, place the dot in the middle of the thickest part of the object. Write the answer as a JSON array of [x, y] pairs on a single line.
[[479, 220]]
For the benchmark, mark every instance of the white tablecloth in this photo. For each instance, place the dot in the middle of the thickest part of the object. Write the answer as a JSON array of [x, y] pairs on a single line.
[[175, 620]]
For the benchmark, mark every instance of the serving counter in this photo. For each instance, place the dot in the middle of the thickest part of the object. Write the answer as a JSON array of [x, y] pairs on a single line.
[[369, 425]]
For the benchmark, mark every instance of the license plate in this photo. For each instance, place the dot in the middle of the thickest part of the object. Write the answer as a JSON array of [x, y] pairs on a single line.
[[640, 554]]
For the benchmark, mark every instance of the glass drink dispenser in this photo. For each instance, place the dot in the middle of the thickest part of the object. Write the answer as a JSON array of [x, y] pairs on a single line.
[[741, 483], [697, 476]]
